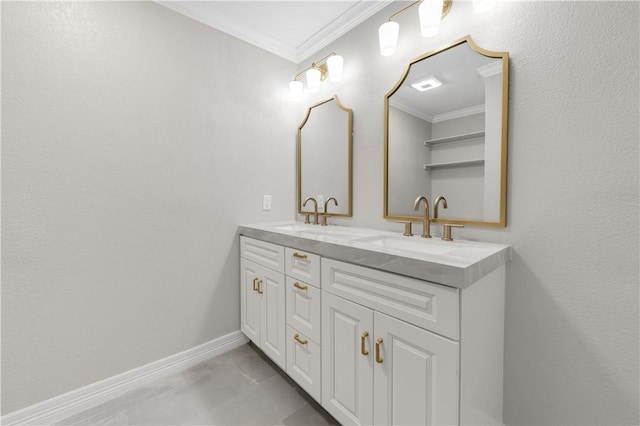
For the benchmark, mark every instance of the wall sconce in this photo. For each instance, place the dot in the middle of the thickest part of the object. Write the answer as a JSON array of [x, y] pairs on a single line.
[[331, 66], [430, 13]]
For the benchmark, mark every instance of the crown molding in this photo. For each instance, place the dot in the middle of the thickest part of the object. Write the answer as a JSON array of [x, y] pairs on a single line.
[[264, 42], [416, 113], [296, 54], [337, 28]]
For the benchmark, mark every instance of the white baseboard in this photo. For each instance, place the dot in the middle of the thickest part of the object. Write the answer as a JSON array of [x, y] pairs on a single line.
[[66, 405]]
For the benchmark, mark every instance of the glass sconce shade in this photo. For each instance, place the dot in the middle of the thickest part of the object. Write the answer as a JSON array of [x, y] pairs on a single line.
[[334, 64], [313, 80], [430, 12], [388, 37], [481, 6], [295, 90]]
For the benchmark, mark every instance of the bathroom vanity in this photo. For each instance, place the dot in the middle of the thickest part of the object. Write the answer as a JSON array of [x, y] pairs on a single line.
[[377, 327]]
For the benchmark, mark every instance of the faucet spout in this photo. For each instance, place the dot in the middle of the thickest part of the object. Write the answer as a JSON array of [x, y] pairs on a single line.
[[323, 222], [315, 208], [437, 201], [426, 222]]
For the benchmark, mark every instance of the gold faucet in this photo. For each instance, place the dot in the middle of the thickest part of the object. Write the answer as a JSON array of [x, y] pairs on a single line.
[[436, 203], [315, 208], [324, 216], [426, 222]]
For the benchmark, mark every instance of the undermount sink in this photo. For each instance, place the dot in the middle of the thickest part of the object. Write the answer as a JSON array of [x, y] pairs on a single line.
[[318, 232], [410, 244], [291, 227]]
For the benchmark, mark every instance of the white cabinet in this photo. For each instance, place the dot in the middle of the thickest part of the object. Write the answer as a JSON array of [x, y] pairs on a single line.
[[262, 298], [375, 347], [380, 370]]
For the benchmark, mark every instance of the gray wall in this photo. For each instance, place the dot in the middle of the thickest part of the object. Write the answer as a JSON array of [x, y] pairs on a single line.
[[133, 143], [571, 354], [121, 193]]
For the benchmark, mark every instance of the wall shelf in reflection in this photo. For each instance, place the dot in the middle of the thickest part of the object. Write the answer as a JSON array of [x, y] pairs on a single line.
[[457, 138], [479, 162]]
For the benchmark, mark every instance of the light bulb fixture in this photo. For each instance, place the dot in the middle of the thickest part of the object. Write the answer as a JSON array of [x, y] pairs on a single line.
[[295, 90], [335, 65], [388, 37], [430, 13], [330, 66], [313, 79], [430, 17]]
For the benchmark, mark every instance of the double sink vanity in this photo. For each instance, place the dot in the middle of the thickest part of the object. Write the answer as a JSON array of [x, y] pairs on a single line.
[[380, 327], [377, 327]]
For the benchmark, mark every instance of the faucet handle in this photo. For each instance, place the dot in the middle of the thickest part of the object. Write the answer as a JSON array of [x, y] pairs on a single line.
[[446, 230], [407, 228], [306, 217]]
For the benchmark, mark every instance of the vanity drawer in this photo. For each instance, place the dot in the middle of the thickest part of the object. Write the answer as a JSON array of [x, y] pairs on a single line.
[[303, 362], [430, 306], [303, 266], [303, 308], [266, 254]]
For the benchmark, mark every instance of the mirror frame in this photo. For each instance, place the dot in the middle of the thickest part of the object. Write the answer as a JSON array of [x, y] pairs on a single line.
[[349, 111], [503, 160]]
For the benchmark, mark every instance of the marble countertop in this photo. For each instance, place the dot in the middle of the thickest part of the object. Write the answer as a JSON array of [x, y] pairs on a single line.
[[457, 263]]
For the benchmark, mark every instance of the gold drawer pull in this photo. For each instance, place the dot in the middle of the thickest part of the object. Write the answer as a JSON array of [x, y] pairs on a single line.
[[299, 256], [255, 281], [259, 289], [363, 351], [296, 337], [301, 287], [378, 344]]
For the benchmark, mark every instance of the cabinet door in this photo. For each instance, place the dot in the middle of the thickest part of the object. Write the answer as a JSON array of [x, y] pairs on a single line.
[[272, 322], [249, 300], [417, 381], [347, 374]]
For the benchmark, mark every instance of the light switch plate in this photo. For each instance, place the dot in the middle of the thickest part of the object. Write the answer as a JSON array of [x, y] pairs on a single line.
[[266, 202]]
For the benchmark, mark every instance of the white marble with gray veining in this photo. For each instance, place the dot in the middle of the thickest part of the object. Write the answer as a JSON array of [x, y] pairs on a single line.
[[457, 263]]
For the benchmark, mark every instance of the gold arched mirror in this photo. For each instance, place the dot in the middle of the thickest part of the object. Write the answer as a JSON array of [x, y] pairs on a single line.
[[446, 135], [324, 157]]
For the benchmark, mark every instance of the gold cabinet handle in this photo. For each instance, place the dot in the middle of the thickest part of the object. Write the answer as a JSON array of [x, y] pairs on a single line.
[[363, 351], [299, 256], [297, 338], [259, 289], [378, 344], [301, 287], [255, 281]]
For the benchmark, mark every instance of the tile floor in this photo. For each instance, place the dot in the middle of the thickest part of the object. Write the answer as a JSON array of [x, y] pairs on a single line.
[[240, 387]]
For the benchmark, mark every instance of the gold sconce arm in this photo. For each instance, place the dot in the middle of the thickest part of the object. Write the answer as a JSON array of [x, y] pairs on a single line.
[[320, 66], [446, 7]]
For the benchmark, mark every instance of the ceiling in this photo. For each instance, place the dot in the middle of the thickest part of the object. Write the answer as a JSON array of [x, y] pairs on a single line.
[[294, 30]]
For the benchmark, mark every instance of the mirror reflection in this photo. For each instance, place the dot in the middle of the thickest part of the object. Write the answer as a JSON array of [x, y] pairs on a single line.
[[445, 135], [324, 157]]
